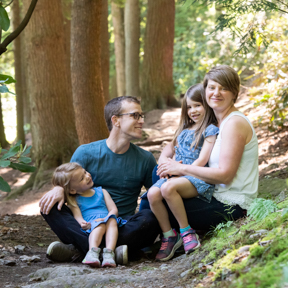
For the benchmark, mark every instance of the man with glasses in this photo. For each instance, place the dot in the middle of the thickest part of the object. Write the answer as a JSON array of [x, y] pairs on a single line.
[[121, 168]]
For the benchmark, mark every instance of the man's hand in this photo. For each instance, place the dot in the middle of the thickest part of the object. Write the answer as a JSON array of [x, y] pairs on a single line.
[[51, 198], [85, 225]]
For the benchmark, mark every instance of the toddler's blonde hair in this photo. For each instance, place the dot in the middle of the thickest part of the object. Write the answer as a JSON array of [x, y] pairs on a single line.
[[62, 177]]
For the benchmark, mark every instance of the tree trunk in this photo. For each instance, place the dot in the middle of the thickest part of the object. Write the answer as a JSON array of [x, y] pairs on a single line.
[[157, 78], [26, 98], [132, 44], [105, 55], [49, 86], [87, 88], [3, 141], [66, 10], [119, 43], [18, 71]]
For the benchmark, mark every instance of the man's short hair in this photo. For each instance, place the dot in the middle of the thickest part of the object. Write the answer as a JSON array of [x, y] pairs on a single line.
[[114, 107]]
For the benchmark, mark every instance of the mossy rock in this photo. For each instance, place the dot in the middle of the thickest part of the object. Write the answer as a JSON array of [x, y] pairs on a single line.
[[271, 187]]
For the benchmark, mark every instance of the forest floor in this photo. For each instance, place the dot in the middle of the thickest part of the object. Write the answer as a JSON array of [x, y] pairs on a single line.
[[25, 236]]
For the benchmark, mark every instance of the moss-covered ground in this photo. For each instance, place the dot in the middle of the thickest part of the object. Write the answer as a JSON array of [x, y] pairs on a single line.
[[247, 253]]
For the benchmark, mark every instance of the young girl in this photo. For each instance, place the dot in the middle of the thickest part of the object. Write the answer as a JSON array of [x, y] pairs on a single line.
[[94, 210], [192, 144]]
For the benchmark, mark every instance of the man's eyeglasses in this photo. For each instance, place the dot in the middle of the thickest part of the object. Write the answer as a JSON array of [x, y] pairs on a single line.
[[136, 115]]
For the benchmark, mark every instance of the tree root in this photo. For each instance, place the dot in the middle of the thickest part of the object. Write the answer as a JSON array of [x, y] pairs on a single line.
[[19, 191]]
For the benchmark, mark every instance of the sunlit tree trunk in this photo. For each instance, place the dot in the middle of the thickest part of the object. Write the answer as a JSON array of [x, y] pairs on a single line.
[[132, 34], [3, 141], [87, 88], [49, 86], [119, 43], [105, 50], [157, 78], [18, 74], [26, 98]]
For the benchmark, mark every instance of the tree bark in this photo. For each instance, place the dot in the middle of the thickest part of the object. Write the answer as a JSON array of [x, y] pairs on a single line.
[[18, 74], [105, 55], [3, 141], [157, 78], [87, 88], [66, 10], [49, 86], [119, 44], [132, 45]]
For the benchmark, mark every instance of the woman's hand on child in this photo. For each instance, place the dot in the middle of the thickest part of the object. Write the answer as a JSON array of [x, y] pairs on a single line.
[[169, 168], [85, 225]]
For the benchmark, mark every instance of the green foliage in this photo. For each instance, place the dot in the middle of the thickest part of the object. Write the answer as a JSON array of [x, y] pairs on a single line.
[[261, 208], [257, 251], [4, 19], [220, 228], [7, 80], [15, 158]]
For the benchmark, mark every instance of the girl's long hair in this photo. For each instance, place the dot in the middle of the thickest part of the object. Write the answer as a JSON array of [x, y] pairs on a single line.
[[62, 177], [195, 93]]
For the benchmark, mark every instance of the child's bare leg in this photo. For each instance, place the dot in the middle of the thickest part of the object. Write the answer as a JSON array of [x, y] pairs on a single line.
[[111, 235], [96, 236], [173, 191], [158, 208]]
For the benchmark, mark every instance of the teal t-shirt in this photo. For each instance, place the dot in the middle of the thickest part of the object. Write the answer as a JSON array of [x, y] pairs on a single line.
[[122, 175]]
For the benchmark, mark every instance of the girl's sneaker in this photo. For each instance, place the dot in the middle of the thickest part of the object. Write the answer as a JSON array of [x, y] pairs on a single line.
[[92, 257], [190, 240], [168, 247], [108, 258]]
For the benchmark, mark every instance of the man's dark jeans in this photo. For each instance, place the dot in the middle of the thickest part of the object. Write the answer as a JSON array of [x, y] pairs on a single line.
[[140, 230]]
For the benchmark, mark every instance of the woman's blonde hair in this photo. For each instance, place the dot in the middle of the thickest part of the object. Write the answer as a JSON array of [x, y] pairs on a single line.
[[226, 76], [62, 177], [195, 93]]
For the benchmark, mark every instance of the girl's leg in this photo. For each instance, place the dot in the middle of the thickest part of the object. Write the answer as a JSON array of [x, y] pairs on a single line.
[[171, 240], [111, 235], [111, 239], [158, 208], [96, 236], [173, 191]]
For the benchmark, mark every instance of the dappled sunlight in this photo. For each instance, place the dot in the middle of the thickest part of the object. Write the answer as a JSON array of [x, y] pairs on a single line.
[[28, 209]]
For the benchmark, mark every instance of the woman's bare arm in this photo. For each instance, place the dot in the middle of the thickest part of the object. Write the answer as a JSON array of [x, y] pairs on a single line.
[[235, 136]]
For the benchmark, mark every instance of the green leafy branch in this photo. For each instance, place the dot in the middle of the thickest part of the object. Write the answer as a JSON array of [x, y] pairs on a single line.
[[5, 79], [17, 159]]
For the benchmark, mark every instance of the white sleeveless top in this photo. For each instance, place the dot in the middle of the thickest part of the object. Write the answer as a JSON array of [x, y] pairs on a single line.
[[244, 187]]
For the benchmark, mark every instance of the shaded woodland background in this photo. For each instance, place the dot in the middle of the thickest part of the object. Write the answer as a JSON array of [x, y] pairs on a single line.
[[74, 56]]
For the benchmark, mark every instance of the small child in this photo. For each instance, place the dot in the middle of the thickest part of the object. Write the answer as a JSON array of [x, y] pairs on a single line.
[[192, 144], [94, 210]]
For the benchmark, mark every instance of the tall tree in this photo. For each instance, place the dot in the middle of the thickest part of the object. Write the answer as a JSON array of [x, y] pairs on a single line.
[[132, 44], [49, 86], [86, 78], [157, 78], [26, 98], [119, 44], [105, 55], [18, 74], [3, 141]]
